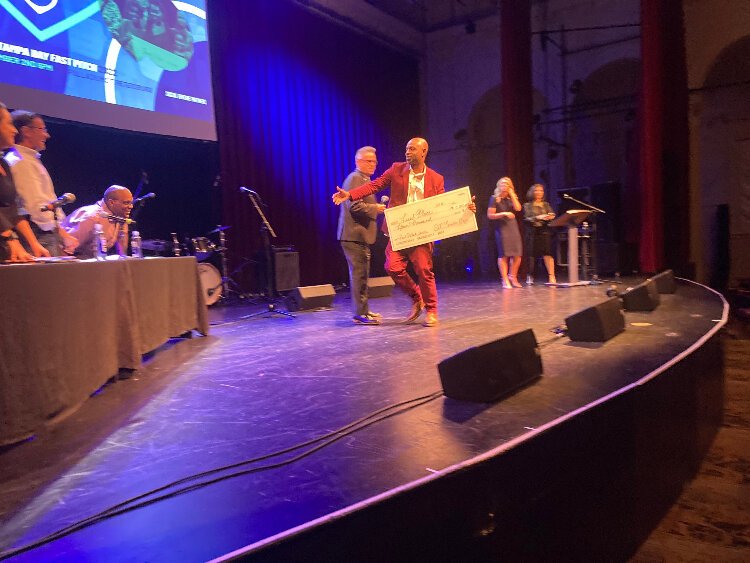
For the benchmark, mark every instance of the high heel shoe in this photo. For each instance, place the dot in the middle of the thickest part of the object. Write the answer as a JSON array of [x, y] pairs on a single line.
[[505, 284], [514, 281]]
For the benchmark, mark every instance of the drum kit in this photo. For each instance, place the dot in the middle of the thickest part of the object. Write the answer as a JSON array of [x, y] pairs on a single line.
[[214, 283]]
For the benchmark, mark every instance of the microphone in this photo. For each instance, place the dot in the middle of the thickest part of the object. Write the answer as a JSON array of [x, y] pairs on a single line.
[[248, 190], [149, 195], [566, 196], [64, 199], [385, 199], [116, 219]]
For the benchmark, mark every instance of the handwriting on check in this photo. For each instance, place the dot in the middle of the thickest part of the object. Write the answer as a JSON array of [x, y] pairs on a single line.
[[435, 218]]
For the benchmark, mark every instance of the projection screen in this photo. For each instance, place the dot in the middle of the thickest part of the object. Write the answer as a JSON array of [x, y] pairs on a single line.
[[141, 65]]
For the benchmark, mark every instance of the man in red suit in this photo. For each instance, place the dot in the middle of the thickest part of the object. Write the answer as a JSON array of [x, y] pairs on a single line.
[[409, 181]]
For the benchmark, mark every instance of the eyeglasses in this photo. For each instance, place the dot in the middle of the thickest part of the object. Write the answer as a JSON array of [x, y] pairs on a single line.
[[369, 160]]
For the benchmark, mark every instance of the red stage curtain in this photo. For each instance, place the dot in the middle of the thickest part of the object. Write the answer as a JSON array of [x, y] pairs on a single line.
[[664, 196], [515, 45]]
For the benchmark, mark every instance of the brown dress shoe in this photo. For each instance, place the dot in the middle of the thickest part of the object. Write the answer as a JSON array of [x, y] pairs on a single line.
[[416, 310], [431, 319]]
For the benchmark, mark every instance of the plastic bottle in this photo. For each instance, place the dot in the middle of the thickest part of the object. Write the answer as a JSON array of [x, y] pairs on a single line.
[[175, 245], [122, 242], [136, 250], [100, 243]]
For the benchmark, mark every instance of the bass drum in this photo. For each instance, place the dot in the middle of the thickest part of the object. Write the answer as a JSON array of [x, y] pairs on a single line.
[[210, 282]]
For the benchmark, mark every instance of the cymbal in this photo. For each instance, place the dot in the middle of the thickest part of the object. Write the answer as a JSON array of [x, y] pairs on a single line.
[[219, 229]]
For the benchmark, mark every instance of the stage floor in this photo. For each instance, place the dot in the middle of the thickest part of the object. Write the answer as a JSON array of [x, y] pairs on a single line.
[[260, 385]]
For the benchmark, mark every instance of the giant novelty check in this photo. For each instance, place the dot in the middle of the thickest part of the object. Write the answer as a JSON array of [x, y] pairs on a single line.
[[433, 218]]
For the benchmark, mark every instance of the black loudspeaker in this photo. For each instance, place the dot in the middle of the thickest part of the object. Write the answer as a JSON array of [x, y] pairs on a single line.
[[486, 373], [665, 282], [598, 323], [285, 269], [310, 297], [380, 287], [643, 297]]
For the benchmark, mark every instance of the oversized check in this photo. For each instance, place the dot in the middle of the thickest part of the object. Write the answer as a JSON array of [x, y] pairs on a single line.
[[433, 218]]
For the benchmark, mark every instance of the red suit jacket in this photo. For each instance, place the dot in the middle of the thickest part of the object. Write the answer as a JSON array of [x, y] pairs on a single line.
[[397, 177]]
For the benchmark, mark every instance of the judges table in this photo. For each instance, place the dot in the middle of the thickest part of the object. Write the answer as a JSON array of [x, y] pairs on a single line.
[[66, 328]]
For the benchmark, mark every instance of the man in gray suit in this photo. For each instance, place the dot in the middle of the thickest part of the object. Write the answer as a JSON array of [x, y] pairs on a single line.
[[357, 231]]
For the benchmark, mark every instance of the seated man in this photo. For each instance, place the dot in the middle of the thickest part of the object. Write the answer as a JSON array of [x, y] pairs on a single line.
[[110, 212]]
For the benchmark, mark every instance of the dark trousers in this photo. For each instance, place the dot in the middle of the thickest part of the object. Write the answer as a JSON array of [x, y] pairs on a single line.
[[358, 257], [48, 239]]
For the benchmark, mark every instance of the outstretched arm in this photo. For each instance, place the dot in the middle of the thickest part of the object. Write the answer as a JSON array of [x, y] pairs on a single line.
[[340, 196]]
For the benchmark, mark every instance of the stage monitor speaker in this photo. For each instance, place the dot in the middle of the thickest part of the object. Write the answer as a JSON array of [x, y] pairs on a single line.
[[285, 269], [310, 297], [598, 323], [486, 373], [380, 287], [643, 297], [665, 282]]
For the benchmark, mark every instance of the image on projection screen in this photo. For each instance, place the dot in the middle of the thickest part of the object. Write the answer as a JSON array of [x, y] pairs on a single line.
[[142, 65]]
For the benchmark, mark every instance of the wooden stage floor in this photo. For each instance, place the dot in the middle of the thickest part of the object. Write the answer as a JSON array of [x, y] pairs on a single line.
[[258, 386]]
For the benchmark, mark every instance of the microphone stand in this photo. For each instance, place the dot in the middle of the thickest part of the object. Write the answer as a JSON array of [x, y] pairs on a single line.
[[58, 238], [137, 194], [137, 208], [587, 246], [56, 231], [143, 181], [586, 205], [227, 285], [265, 230]]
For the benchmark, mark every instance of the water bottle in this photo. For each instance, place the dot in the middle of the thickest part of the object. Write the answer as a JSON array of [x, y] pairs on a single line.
[[122, 243], [100, 243], [175, 245], [136, 250]]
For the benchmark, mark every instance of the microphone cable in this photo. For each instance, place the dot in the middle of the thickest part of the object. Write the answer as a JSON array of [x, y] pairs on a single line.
[[142, 500]]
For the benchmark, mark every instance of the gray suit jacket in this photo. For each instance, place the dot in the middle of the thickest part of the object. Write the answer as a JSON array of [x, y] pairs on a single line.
[[358, 219]]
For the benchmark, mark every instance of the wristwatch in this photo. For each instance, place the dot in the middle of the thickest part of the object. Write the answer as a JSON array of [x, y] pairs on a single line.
[[11, 236]]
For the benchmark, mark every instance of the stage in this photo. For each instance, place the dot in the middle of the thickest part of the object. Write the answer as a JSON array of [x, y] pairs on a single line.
[[583, 460]]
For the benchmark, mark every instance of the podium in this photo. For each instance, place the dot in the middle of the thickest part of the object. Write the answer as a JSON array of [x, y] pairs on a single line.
[[570, 220]]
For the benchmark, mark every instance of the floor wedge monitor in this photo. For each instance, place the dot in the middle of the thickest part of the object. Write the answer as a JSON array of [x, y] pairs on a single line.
[[643, 297], [487, 373], [665, 282], [598, 323], [310, 297], [380, 287]]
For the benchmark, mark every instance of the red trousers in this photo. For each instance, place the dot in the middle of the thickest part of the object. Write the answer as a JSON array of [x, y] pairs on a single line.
[[421, 259]]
